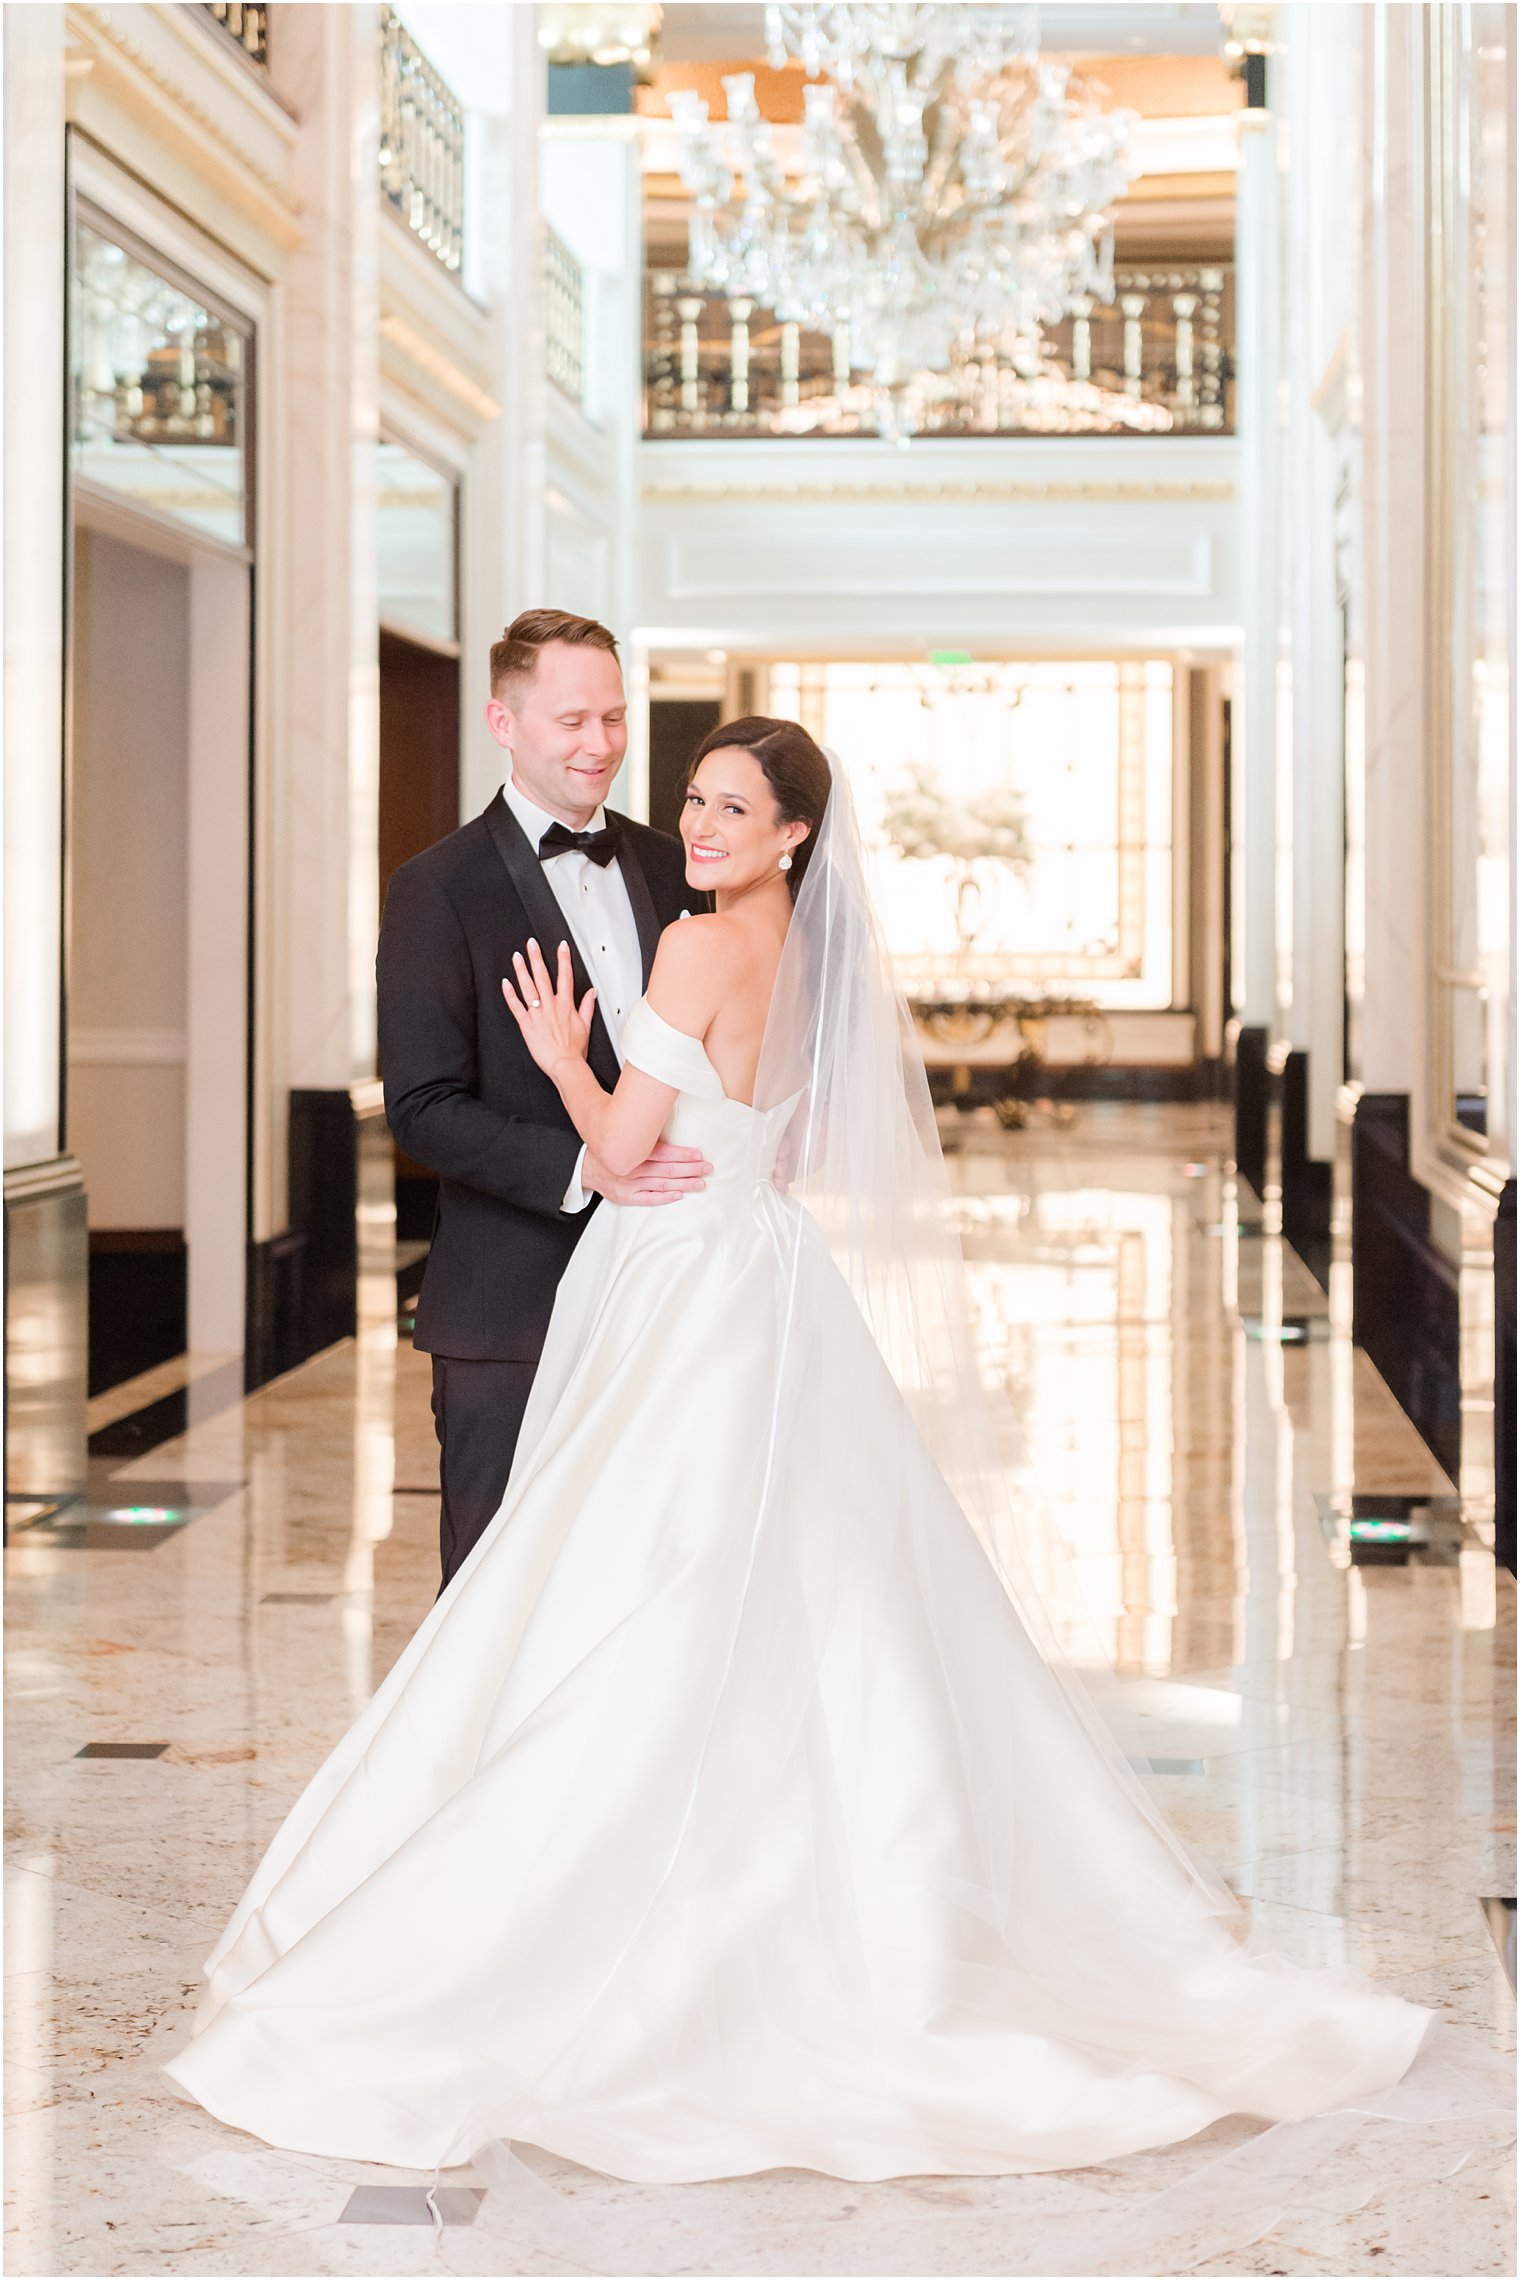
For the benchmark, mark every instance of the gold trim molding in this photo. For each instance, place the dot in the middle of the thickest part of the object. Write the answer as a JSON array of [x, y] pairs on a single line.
[[715, 494], [426, 357]]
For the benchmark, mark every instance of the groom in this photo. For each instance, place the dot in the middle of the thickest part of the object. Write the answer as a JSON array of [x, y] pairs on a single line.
[[462, 1094]]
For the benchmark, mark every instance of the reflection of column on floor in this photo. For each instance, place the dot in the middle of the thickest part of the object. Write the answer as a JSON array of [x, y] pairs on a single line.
[[207, 1390], [1131, 1430], [1264, 1448], [1275, 1359], [1240, 1546], [1233, 1205], [375, 1401]]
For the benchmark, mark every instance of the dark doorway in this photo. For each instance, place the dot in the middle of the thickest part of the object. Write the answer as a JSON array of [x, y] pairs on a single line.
[[419, 749], [419, 804], [677, 726]]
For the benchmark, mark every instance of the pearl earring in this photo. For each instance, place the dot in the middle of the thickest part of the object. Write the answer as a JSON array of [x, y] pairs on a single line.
[[785, 863]]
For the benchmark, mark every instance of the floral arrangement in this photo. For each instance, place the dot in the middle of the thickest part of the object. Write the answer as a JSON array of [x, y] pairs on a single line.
[[923, 819]]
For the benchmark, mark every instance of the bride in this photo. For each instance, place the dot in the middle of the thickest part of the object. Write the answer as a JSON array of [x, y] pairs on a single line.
[[737, 1806]]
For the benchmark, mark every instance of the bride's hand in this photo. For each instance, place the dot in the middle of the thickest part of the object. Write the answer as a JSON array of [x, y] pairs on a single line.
[[554, 1029]]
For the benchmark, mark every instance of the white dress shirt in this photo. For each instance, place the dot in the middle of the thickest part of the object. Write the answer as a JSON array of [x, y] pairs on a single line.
[[594, 899]]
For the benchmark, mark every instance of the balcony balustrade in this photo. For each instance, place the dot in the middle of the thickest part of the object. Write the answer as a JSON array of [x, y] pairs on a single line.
[[421, 143], [249, 26], [1158, 359], [564, 318]]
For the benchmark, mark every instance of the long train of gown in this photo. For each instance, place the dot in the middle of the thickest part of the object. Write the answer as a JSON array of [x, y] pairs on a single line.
[[678, 1844]]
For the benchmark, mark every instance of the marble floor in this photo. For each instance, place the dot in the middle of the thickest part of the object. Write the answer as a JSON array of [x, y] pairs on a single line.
[[1327, 1686]]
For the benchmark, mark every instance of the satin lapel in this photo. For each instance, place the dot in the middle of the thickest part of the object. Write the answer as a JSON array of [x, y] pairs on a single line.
[[547, 922], [645, 917]]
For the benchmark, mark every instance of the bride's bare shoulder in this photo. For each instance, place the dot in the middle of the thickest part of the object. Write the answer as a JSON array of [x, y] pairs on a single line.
[[692, 966], [695, 941]]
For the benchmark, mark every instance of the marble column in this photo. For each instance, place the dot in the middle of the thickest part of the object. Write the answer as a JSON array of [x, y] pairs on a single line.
[[1324, 182], [324, 426], [34, 536], [1389, 1029], [1254, 741], [47, 1264], [1254, 738], [504, 537], [592, 197], [318, 864]]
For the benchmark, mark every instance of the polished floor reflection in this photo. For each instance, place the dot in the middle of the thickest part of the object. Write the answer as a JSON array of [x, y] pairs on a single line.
[[1309, 1623]]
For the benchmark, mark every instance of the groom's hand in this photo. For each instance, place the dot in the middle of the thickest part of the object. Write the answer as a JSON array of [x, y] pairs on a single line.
[[666, 1174]]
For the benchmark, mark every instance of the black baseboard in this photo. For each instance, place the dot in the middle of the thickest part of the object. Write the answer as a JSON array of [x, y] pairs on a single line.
[[1405, 1302], [1504, 1379], [304, 1285], [1251, 1091], [1307, 1183], [138, 1285], [324, 1202], [1202, 1080], [272, 1338]]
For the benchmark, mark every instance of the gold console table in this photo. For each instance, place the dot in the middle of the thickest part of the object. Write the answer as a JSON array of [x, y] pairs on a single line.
[[971, 1024]]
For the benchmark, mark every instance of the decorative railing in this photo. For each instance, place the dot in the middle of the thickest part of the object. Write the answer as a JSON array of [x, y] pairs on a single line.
[[249, 26], [1157, 359], [564, 318], [421, 143]]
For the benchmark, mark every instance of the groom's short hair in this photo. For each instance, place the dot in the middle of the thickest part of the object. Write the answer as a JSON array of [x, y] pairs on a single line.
[[515, 656]]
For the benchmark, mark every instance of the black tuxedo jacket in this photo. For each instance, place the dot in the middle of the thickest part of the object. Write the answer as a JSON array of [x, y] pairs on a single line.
[[462, 1093]]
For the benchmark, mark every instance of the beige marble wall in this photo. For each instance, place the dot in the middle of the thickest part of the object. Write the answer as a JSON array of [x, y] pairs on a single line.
[[128, 878]]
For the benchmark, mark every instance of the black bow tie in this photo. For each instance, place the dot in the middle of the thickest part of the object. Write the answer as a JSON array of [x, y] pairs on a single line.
[[599, 846]]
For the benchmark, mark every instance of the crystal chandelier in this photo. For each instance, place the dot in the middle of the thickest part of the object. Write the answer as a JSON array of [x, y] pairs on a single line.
[[955, 192]]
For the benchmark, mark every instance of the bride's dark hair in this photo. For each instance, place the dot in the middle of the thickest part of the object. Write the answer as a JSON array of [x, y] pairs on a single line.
[[792, 764]]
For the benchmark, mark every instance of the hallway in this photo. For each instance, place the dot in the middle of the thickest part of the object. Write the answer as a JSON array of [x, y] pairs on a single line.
[[1320, 1644]]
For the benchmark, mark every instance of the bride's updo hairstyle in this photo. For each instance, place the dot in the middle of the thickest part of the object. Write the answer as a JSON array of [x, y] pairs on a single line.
[[794, 767]]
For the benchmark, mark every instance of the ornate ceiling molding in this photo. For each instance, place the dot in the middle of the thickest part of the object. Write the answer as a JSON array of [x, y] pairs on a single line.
[[139, 86]]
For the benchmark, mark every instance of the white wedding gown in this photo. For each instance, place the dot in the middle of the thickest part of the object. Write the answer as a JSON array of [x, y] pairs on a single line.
[[678, 1845]]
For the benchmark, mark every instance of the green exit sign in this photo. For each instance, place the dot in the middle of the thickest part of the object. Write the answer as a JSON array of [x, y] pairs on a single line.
[[949, 657]]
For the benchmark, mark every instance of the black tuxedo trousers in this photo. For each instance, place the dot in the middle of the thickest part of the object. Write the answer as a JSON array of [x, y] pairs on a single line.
[[464, 1096]]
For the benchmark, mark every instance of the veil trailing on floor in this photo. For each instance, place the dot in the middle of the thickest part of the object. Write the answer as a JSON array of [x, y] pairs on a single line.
[[1053, 1882]]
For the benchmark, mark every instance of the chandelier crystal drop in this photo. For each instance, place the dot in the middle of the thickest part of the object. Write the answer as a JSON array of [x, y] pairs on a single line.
[[955, 192]]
